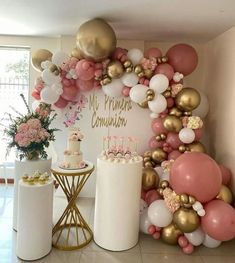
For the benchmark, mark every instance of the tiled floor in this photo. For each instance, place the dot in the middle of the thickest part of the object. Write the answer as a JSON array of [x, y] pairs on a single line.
[[147, 251]]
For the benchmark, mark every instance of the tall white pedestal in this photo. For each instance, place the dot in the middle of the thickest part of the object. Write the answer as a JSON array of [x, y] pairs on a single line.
[[35, 219], [28, 167], [118, 188]]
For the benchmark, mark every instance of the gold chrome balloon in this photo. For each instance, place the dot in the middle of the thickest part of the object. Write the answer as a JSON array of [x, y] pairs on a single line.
[[176, 112], [115, 69], [76, 52], [143, 105], [96, 39], [172, 123], [166, 94], [164, 184], [170, 234], [39, 56], [186, 220], [148, 73], [225, 194], [148, 164], [150, 178], [197, 147], [187, 99], [159, 155], [184, 198], [147, 154]]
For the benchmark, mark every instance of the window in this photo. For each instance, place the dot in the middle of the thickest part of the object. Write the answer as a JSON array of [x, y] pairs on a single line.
[[14, 80]]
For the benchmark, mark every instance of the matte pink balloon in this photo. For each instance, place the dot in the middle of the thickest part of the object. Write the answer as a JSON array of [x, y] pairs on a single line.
[[126, 91], [174, 155], [36, 94], [196, 174], [85, 69], [183, 241], [69, 93], [156, 235], [151, 196], [188, 249], [157, 126], [198, 134], [170, 102], [226, 175], [219, 220], [151, 229], [173, 140], [85, 85], [183, 58], [143, 194], [153, 143], [153, 53], [165, 69], [61, 103]]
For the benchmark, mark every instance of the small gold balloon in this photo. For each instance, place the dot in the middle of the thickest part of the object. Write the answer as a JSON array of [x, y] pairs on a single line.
[[148, 164], [225, 194], [105, 81], [143, 105], [184, 198], [150, 178], [158, 138], [187, 113], [164, 59], [164, 184], [141, 74], [129, 69], [149, 97], [138, 69], [159, 155], [127, 64], [76, 52], [150, 92], [96, 39], [166, 94], [187, 99], [163, 136], [197, 147], [115, 69], [192, 200], [160, 191], [147, 159], [148, 73], [39, 56], [170, 234], [172, 123], [182, 148], [176, 112], [147, 154], [187, 220]]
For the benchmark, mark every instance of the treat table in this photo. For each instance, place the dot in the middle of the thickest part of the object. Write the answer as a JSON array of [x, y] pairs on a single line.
[[71, 231]]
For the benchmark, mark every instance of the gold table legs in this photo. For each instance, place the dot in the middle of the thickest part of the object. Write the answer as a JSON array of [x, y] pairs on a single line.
[[71, 231]]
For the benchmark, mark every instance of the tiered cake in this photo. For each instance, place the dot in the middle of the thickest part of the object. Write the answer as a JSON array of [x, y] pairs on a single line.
[[73, 158]]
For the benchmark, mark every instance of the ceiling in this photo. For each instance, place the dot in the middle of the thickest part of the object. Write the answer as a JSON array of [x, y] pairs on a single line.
[[160, 20]]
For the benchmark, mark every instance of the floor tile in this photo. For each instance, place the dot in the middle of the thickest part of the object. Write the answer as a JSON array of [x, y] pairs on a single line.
[[226, 248], [218, 259], [152, 258]]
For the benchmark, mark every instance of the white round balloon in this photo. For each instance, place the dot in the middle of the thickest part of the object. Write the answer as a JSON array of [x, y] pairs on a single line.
[[186, 135], [159, 103], [203, 107], [196, 237], [130, 79], [211, 242], [159, 83], [144, 221], [48, 95], [197, 206], [158, 214], [138, 93], [59, 58], [159, 170], [113, 89], [135, 55], [49, 78], [165, 176]]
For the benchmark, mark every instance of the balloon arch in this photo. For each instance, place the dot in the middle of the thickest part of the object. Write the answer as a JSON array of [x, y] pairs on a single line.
[[185, 195]]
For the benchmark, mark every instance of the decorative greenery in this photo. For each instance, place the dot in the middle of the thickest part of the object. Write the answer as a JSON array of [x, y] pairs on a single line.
[[30, 134]]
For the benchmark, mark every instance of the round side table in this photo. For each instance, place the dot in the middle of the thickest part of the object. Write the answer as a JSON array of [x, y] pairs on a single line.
[[71, 231]]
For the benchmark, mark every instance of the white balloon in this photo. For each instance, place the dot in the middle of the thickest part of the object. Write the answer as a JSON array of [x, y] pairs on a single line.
[[58, 88], [59, 58], [49, 78], [143, 205], [197, 206], [159, 170], [159, 83], [154, 115], [186, 135], [46, 64], [203, 107], [113, 89], [201, 212], [196, 237], [48, 95], [130, 79], [35, 104], [138, 93], [165, 176], [158, 214], [135, 55], [211, 242], [159, 103], [144, 222]]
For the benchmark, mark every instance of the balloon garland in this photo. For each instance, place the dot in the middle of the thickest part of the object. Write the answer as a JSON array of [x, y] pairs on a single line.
[[185, 196]]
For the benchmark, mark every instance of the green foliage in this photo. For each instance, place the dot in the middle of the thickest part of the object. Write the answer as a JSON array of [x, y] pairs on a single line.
[[20, 68]]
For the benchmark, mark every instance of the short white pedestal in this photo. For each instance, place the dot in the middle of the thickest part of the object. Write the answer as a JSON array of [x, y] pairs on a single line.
[[118, 187], [28, 167], [35, 219]]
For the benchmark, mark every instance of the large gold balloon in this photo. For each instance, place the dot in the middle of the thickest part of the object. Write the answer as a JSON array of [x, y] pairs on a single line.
[[96, 39], [170, 234], [115, 69], [187, 99], [159, 155], [225, 194], [39, 56], [176, 112], [187, 220], [172, 123], [76, 52], [197, 147], [150, 178]]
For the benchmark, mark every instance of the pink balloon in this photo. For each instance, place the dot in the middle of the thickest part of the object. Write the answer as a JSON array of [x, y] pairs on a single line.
[[36, 94], [151, 229], [156, 235], [226, 175], [151, 196], [174, 155], [66, 82], [39, 87], [183, 241], [183, 58], [165, 69], [153, 53], [198, 134], [196, 174], [170, 102], [173, 140], [85, 69], [219, 220], [157, 126], [85, 85], [69, 93], [143, 194], [188, 249], [153, 143], [61, 103], [126, 91]]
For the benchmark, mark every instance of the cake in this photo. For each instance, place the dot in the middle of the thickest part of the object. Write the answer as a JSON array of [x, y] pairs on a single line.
[[73, 158]]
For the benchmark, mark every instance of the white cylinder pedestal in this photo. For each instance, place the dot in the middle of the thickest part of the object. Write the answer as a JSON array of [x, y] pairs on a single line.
[[35, 220], [28, 167], [118, 190]]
